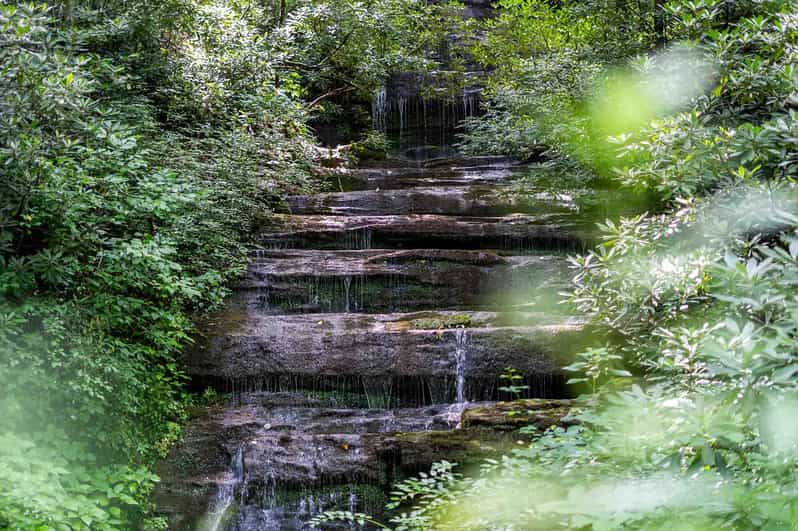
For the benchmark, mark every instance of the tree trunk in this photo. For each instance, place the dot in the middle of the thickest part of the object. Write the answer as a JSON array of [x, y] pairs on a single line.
[[659, 22]]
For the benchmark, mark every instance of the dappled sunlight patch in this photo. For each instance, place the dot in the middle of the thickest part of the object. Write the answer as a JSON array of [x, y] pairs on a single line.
[[659, 84]]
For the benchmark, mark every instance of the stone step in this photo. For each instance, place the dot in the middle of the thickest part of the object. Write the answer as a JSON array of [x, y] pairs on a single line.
[[496, 172], [486, 200], [381, 281], [387, 360], [266, 448], [516, 232]]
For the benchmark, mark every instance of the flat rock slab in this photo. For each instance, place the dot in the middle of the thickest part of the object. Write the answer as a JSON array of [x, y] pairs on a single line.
[[478, 171], [385, 350], [517, 232], [277, 446], [460, 201], [310, 262], [477, 162]]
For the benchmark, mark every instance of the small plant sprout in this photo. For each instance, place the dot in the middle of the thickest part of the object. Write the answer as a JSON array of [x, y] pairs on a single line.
[[513, 379]]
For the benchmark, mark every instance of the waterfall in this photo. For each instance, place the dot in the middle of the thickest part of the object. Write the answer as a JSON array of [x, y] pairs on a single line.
[[379, 110], [360, 239], [460, 358], [470, 104], [404, 109], [218, 514]]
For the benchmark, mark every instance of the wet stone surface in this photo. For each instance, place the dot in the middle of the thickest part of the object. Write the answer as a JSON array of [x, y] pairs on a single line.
[[484, 200], [381, 346], [368, 339], [382, 281], [391, 175]]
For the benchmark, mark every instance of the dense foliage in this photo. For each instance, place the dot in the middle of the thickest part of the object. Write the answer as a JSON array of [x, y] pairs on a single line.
[[141, 144], [690, 390]]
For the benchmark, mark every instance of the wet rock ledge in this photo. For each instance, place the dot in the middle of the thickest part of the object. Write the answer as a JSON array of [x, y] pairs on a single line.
[[286, 443]]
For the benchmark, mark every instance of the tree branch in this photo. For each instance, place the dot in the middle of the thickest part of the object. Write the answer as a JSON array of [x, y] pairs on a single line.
[[334, 92]]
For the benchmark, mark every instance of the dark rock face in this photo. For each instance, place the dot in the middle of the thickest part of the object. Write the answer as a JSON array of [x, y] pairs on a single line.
[[367, 341], [297, 450]]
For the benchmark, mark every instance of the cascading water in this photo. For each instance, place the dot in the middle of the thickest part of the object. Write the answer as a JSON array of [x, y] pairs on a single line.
[[417, 112], [219, 513], [356, 391], [333, 408], [353, 505]]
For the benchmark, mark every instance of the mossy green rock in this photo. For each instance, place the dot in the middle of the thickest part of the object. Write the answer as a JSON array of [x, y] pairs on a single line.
[[444, 321], [414, 451], [508, 416], [366, 152]]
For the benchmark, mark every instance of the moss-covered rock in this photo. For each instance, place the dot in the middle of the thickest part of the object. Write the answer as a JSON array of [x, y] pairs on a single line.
[[509, 416], [364, 151], [441, 322], [415, 451]]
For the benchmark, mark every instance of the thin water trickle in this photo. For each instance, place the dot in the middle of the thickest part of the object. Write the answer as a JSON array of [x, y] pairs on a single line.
[[347, 286], [402, 103], [353, 507], [454, 414], [461, 359]]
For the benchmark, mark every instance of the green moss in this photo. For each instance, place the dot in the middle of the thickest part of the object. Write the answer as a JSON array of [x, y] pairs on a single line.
[[508, 416], [442, 322], [373, 146], [364, 152]]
